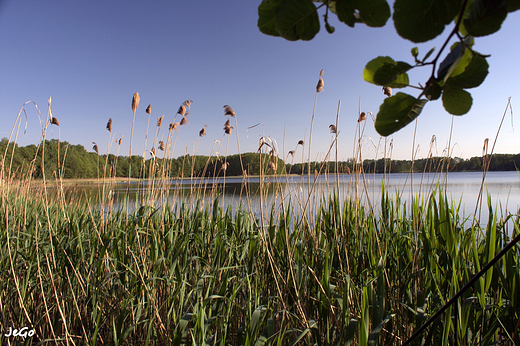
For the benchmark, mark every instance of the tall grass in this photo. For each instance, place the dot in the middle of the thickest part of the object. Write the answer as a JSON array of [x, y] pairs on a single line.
[[312, 268]]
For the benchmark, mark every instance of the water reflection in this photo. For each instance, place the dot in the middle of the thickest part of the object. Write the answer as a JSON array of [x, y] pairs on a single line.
[[259, 194]]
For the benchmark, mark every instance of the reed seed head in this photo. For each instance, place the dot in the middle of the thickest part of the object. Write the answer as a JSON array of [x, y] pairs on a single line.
[[159, 121], [55, 121], [184, 121], [149, 109], [319, 87], [182, 110], [161, 145], [333, 129], [135, 102], [321, 72], [228, 127], [271, 166], [301, 142], [387, 91], [187, 103], [109, 125], [291, 152], [202, 132], [95, 147], [362, 117], [229, 111], [120, 139]]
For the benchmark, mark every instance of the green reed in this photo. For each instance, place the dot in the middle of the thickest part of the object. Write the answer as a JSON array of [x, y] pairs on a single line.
[[201, 274], [306, 270]]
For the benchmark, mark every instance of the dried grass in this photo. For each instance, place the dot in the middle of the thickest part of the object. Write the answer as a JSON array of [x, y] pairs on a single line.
[[187, 103], [182, 110], [159, 121], [333, 129], [319, 87], [149, 109], [202, 132], [55, 121], [184, 121], [229, 111], [362, 117], [161, 145], [109, 125], [135, 102], [95, 147], [228, 127]]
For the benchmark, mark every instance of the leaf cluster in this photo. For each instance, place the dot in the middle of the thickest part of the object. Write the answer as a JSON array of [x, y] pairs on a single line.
[[418, 21]]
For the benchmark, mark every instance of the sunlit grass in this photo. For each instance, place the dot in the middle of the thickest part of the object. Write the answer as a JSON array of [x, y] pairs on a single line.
[[308, 268]]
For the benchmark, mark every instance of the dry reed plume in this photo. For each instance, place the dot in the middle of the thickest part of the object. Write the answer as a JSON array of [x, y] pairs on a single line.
[[202, 132], [55, 121], [159, 121], [109, 125], [228, 127], [95, 147], [149, 109], [362, 117], [135, 102], [184, 121], [387, 91], [229, 111]]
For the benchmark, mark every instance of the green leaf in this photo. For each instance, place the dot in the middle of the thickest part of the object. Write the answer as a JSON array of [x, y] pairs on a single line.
[[513, 5], [456, 101], [421, 21], [485, 17], [374, 334], [396, 112], [385, 71], [266, 17], [430, 52], [345, 12], [471, 76], [450, 62], [330, 28], [297, 20], [433, 90], [374, 13], [415, 52]]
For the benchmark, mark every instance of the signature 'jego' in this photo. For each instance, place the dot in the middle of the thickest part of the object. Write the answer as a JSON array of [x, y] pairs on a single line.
[[24, 332]]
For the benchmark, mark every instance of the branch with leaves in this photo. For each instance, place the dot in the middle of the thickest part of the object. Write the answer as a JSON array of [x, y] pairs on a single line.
[[418, 21]]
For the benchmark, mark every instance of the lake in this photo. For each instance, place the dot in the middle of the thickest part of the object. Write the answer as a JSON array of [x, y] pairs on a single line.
[[463, 187]]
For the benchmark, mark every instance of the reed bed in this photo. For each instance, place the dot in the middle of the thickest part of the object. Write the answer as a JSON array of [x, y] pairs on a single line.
[[305, 270]]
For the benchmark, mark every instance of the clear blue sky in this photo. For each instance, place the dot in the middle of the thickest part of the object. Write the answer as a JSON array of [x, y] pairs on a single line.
[[91, 56]]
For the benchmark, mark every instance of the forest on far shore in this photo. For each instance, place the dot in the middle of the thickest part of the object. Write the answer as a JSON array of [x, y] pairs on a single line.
[[77, 163]]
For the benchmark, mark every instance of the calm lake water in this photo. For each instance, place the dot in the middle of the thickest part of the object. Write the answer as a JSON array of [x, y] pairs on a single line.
[[463, 187]]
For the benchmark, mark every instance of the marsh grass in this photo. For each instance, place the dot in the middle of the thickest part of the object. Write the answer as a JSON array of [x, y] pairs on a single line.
[[307, 268]]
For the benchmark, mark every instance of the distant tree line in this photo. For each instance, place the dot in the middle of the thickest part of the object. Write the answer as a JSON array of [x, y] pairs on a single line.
[[75, 162]]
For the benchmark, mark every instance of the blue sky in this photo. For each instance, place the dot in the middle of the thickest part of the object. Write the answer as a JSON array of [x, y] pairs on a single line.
[[91, 56]]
